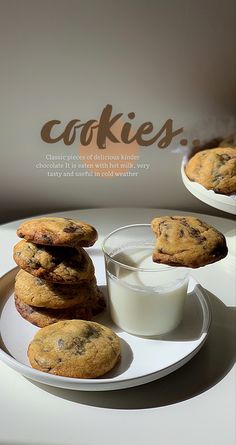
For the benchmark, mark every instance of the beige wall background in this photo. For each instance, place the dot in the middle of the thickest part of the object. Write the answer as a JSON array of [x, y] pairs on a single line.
[[68, 59]]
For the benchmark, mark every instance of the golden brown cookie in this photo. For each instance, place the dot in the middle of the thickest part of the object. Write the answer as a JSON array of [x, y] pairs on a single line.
[[230, 141], [40, 293], [187, 241], [55, 231], [215, 169], [56, 264], [42, 317], [75, 348]]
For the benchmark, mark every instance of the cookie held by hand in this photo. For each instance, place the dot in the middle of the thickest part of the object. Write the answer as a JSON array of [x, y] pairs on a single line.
[[75, 348], [187, 241]]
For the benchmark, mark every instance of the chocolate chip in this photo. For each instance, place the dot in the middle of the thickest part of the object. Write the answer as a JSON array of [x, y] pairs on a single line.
[[70, 229], [31, 263], [79, 345], [47, 238], [91, 332], [181, 233], [217, 251], [225, 157], [203, 225], [218, 178], [197, 236], [39, 281], [194, 233], [60, 343]]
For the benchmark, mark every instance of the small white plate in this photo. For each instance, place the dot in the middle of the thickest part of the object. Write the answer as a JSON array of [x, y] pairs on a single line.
[[143, 360], [216, 200]]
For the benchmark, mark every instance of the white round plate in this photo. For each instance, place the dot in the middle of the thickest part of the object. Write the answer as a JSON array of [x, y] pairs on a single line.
[[216, 200], [143, 360]]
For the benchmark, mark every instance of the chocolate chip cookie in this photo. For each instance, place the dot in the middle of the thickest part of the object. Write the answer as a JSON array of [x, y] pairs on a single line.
[[187, 241], [55, 231], [215, 169], [56, 264], [40, 293], [75, 348], [42, 317]]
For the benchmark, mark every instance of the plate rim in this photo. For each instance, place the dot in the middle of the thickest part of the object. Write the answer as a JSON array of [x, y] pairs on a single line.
[[107, 384]]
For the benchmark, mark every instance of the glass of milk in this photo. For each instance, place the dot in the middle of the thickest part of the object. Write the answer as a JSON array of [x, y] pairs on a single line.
[[145, 298]]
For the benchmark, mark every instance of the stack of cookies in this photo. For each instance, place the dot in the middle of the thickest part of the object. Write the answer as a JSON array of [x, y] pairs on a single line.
[[57, 278]]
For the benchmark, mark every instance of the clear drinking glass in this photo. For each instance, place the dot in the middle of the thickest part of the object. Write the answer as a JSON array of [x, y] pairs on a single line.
[[145, 298]]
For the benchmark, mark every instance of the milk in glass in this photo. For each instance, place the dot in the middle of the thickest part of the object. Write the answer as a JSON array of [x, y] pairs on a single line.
[[145, 298]]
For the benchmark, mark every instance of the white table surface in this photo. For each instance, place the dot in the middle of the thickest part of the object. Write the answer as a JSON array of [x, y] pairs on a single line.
[[194, 405]]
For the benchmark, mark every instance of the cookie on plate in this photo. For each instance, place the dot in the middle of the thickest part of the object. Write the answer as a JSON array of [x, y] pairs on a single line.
[[187, 241], [215, 169], [40, 293], [75, 348], [42, 317], [55, 231], [56, 264]]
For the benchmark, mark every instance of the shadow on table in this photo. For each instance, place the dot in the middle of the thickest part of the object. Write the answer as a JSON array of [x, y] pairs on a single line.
[[206, 369]]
